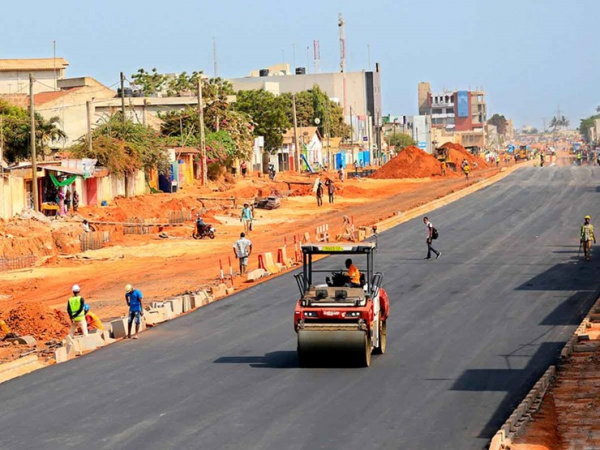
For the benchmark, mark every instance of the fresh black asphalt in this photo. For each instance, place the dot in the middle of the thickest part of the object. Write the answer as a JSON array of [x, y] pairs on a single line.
[[469, 334]]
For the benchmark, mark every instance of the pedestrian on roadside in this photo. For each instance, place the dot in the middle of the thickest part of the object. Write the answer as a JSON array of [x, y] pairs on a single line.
[[75, 200], [443, 168], [246, 218], [68, 200], [244, 168], [242, 249], [61, 202], [431, 235], [341, 173], [497, 161], [76, 311], [330, 189], [586, 237], [133, 297], [466, 170], [319, 193]]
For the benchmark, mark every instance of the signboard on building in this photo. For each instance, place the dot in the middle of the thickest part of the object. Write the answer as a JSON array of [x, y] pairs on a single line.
[[463, 103], [422, 145]]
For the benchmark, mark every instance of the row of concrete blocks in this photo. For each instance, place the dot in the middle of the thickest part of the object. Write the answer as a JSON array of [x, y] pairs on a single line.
[[533, 400], [524, 412], [117, 329]]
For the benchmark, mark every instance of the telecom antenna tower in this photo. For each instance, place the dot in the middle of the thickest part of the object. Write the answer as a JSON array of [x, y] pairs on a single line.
[[317, 55]]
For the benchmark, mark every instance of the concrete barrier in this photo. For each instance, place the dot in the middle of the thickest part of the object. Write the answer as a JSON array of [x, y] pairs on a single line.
[[186, 303], [256, 274], [219, 291], [176, 305]]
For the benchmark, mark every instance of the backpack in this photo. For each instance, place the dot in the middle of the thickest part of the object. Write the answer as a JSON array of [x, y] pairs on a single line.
[[434, 233]]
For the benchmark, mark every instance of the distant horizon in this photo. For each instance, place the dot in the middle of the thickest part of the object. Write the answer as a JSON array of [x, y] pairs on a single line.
[[494, 47]]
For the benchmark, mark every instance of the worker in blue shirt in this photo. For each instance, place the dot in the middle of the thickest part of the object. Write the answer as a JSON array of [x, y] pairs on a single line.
[[133, 297]]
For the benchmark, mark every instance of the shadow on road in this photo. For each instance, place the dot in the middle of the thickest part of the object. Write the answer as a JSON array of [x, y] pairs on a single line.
[[515, 382], [272, 360]]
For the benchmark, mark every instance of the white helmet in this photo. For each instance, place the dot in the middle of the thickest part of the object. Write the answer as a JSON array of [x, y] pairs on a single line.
[[76, 288], [128, 288]]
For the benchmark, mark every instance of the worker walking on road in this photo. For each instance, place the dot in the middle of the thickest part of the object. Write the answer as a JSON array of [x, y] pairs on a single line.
[[133, 297], [76, 310], [432, 234], [246, 218], [586, 237], [242, 250]]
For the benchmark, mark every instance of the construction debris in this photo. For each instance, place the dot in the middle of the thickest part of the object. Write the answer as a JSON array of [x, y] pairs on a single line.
[[270, 202]]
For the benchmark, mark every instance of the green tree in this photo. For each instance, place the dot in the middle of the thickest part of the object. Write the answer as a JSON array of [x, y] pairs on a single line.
[[588, 123], [16, 131], [400, 140], [124, 147], [499, 122], [267, 113], [151, 82]]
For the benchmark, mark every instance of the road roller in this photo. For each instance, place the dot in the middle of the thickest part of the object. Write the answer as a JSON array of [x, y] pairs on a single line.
[[340, 313]]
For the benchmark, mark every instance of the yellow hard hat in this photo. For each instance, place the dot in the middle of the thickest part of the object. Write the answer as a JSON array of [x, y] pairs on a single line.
[[128, 288], [587, 217]]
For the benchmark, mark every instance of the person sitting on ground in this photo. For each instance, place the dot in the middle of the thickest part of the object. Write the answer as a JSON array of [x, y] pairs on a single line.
[[353, 274]]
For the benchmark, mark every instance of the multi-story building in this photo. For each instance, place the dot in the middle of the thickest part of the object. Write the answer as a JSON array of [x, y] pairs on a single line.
[[358, 93], [453, 110], [14, 74]]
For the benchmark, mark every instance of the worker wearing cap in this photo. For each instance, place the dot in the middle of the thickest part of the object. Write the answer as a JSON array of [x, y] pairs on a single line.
[[246, 218], [76, 310], [133, 297], [353, 273], [587, 236]]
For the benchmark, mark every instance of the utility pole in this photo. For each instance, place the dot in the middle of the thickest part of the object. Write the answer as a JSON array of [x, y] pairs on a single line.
[[296, 148], [201, 125], [342, 27], [1, 141], [34, 186], [88, 107], [54, 64], [123, 97], [216, 69]]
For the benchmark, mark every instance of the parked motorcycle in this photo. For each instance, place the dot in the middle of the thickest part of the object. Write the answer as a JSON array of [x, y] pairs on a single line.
[[204, 231]]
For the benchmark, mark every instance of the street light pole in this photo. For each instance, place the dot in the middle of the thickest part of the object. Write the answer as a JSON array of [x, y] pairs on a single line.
[[34, 186]]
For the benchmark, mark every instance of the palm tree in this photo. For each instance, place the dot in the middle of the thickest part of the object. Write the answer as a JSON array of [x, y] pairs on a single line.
[[48, 131]]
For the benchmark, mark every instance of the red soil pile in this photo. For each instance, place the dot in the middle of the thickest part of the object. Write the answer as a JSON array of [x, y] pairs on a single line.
[[37, 320], [411, 162], [457, 153]]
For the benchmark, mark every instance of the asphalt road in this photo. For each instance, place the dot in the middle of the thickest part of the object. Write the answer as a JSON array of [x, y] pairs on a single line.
[[469, 334]]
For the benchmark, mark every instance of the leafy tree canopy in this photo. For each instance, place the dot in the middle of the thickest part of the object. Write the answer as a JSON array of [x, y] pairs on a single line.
[[499, 122], [124, 148], [400, 140], [16, 130]]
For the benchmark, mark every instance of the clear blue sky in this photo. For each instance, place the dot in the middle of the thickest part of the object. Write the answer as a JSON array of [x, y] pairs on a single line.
[[528, 55]]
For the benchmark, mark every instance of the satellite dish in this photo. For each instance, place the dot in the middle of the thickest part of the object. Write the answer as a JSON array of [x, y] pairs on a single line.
[[317, 121]]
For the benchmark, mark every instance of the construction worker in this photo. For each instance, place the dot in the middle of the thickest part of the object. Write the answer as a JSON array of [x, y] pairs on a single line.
[[353, 274], [497, 160], [579, 156], [92, 320], [587, 236], [242, 250], [76, 311], [133, 297]]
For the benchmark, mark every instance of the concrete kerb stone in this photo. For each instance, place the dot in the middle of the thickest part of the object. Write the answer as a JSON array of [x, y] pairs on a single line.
[[23, 340], [256, 274], [119, 328], [187, 303], [218, 291], [19, 367]]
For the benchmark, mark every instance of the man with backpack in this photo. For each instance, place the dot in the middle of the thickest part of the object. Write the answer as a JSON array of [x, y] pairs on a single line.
[[432, 234]]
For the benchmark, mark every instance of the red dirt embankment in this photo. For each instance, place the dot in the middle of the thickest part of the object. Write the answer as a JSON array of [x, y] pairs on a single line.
[[37, 320], [411, 162], [457, 153]]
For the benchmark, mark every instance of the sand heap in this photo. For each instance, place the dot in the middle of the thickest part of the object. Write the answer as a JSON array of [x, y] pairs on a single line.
[[37, 320], [411, 162], [457, 153]]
